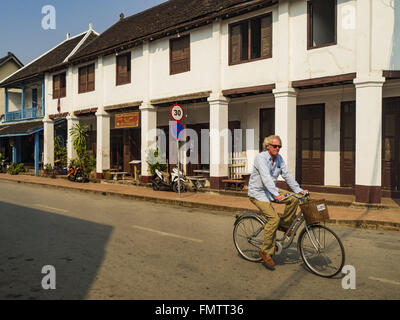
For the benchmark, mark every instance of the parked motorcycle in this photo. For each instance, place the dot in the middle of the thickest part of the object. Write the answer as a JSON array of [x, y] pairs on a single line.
[[4, 164], [76, 174], [164, 179]]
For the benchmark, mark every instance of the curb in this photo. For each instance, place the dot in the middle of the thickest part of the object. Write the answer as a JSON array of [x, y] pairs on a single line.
[[363, 224]]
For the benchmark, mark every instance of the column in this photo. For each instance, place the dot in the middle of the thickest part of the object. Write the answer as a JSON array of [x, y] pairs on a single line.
[[14, 149], [368, 140], [18, 149], [22, 101], [6, 103], [368, 85], [149, 132], [103, 143], [285, 124], [219, 140], [48, 141], [43, 97], [71, 153], [37, 153]]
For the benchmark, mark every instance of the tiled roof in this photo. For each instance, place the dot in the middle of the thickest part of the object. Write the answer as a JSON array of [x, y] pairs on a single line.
[[23, 128], [11, 56], [160, 18], [49, 60]]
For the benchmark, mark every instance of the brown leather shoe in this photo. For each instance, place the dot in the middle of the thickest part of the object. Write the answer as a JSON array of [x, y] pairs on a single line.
[[267, 259], [283, 229]]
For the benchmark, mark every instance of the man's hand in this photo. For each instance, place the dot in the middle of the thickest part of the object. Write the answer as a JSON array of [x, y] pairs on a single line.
[[304, 192], [279, 198]]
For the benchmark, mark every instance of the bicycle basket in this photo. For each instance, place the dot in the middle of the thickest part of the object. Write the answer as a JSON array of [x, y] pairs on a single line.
[[315, 211]]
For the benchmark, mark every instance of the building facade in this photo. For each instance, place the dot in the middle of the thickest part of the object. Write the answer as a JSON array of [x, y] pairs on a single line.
[[322, 74]]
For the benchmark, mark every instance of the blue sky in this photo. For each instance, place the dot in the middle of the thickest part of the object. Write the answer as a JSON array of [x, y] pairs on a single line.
[[21, 29]]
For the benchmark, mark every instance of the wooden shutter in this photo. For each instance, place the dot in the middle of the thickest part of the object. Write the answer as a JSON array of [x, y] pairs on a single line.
[[56, 87], [266, 36], [124, 69], [63, 85], [90, 78], [235, 44], [82, 80], [180, 55]]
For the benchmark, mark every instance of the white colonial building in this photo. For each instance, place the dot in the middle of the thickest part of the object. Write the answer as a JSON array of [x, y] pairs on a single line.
[[322, 74]]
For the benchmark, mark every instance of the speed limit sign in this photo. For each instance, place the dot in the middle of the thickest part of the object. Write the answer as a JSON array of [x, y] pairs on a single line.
[[176, 112]]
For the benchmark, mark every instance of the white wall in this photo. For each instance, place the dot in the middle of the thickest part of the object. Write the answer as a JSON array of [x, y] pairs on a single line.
[[326, 61], [209, 71]]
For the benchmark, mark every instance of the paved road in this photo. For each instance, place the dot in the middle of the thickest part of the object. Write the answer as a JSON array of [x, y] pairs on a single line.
[[110, 248]]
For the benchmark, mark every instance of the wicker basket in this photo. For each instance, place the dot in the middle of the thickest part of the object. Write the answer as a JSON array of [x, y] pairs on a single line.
[[315, 211]]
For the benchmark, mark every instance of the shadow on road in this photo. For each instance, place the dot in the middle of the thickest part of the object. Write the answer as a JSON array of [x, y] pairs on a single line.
[[31, 239]]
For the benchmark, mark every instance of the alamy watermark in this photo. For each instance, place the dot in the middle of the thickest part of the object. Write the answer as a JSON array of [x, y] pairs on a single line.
[[349, 280], [49, 20], [49, 280], [215, 146]]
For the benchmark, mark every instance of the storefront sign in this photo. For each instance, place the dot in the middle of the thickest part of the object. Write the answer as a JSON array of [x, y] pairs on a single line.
[[127, 120]]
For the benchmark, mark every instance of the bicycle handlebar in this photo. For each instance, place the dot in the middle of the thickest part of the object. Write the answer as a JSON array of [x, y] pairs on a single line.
[[288, 195]]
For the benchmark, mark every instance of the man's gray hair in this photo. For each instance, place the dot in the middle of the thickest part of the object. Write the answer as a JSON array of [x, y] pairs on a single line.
[[268, 140]]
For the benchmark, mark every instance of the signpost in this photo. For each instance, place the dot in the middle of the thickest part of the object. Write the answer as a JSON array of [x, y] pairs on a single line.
[[177, 129]]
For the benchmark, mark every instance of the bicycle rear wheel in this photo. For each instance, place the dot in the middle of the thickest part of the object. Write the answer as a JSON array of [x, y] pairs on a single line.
[[248, 237], [321, 250]]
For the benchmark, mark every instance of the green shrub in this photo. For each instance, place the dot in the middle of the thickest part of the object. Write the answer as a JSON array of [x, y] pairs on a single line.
[[156, 160], [48, 167], [60, 152], [15, 169]]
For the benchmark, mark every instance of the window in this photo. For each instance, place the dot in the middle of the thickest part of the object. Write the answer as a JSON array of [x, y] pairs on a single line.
[[250, 40], [124, 69], [179, 55], [86, 79], [59, 86], [321, 23]]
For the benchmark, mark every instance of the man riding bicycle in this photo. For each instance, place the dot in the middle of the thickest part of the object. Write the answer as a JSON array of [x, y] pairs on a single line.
[[268, 165]]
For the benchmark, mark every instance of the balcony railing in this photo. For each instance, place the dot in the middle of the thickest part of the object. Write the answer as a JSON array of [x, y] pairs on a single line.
[[32, 113]]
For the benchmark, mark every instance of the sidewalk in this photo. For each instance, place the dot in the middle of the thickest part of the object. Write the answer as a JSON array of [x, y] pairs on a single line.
[[342, 209]]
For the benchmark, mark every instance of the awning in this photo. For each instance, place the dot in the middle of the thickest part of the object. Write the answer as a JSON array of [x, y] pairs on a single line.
[[22, 128]]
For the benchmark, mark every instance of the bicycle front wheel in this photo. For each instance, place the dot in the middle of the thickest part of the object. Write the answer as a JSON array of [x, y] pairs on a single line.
[[321, 250], [248, 237]]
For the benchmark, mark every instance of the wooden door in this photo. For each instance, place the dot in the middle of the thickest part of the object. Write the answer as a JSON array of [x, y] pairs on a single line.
[[391, 144], [267, 125], [310, 144], [348, 144], [117, 150]]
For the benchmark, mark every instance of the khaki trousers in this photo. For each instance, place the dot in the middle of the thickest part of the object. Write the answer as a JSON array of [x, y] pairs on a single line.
[[274, 220]]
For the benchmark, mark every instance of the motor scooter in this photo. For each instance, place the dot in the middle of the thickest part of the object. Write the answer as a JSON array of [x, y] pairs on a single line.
[[164, 179], [76, 174], [4, 164]]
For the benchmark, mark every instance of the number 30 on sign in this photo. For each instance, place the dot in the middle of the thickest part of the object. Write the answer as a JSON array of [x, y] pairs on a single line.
[[176, 112]]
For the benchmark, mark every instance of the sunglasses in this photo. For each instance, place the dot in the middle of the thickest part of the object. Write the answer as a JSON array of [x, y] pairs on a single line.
[[275, 146]]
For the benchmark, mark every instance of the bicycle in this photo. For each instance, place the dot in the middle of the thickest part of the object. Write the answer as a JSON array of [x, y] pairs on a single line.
[[319, 247]]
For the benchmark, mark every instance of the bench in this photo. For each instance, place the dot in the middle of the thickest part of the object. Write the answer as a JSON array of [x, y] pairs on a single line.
[[118, 175], [197, 182], [238, 183]]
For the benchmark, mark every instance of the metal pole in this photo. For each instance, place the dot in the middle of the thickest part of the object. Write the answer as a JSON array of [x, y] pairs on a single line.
[[179, 172]]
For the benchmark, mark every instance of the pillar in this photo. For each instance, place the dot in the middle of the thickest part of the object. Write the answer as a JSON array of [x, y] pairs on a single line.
[[71, 153], [285, 124], [220, 141], [48, 141], [103, 143], [149, 131], [368, 140], [43, 107], [36, 153]]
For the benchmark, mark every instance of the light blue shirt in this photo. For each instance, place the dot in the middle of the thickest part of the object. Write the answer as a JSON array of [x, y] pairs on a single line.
[[262, 183]]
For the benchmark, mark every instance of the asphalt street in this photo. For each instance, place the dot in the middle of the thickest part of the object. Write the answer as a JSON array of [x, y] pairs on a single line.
[[109, 248]]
